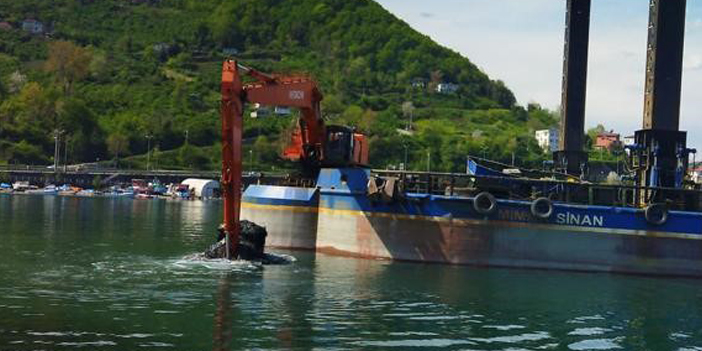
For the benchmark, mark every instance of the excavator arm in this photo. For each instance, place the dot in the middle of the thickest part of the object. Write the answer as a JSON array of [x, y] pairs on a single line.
[[270, 90], [302, 93], [312, 143], [231, 110]]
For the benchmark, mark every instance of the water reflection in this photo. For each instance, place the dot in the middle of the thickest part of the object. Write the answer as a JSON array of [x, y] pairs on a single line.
[[222, 330]]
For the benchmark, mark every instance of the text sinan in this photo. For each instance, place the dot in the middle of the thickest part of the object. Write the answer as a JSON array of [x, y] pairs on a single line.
[[580, 219]]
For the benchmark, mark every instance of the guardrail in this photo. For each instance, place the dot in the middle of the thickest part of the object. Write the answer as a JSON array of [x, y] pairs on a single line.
[[528, 188], [29, 172]]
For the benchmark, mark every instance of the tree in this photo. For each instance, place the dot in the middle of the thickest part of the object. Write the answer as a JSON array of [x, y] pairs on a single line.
[[69, 62], [17, 80], [117, 144], [3, 91], [25, 153]]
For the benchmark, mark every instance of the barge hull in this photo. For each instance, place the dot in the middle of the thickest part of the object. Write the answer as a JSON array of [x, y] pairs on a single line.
[[338, 217]]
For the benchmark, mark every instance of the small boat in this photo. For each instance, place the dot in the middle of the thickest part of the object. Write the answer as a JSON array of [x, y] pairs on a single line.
[[50, 190], [85, 193]]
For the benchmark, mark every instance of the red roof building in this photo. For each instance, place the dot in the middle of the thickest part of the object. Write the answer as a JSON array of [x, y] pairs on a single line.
[[606, 140]]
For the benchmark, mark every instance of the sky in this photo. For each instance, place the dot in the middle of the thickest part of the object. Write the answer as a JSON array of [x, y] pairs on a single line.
[[521, 43]]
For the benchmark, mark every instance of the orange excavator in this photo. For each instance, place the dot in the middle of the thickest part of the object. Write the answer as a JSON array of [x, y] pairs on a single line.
[[312, 143]]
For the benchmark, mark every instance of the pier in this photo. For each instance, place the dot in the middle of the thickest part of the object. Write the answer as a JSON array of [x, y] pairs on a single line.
[[88, 174]]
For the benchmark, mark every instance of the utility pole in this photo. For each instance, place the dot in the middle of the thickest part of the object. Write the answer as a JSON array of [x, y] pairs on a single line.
[[405, 164], [410, 120], [186, 137], [408, 110], [65, 155], [148, 150], [56, 150], [57, 138], [428, 161]]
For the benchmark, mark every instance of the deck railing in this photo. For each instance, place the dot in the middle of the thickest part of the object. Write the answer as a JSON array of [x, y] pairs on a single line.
[[520, 188]]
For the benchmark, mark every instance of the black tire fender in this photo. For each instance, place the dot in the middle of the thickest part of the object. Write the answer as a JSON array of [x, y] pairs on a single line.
[[656, 214], [485, 203], [537, 208]]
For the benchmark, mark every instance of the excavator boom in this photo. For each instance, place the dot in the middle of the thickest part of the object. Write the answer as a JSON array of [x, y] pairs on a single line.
[[312, 143]]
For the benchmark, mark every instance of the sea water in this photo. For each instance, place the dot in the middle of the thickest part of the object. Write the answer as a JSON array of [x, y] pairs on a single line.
[[114, 274]]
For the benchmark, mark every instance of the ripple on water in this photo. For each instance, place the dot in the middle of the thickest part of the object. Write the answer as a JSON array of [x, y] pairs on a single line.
[[156, 344], [412, 333], [678, 335], [589, 331], [585, 319], [87, 343], [504, 327], [414, 343], [595, 344], [512, 339]]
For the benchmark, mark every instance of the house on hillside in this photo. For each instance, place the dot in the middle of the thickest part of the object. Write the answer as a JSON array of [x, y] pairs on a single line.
[[607, 140], [32, 26], [161, 47], [282, 110], [419, 83], [547, 139], [446, 88], [5, 26], [260, 111], [230, 51]]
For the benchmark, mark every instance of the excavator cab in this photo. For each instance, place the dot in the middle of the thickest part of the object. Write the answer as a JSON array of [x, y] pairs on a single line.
[[344, 147]]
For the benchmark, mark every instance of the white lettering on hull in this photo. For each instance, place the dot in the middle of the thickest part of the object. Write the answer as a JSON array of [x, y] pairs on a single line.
[[566, 218], [586, 220]]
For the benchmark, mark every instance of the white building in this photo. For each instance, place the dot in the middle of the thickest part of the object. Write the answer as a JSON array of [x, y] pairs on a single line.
[[695, 174], [260, 111], [33, 26], [282, 110], [547, 139], [202, 188], [446, 88], [628, 140]]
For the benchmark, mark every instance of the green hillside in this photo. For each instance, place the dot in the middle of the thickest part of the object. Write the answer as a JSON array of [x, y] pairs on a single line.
[[112, 72]]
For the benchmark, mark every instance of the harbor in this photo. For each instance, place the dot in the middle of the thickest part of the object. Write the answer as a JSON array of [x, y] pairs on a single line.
[[350, 175]]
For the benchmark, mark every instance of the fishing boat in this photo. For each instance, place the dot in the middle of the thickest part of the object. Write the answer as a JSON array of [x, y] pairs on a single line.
[[50, 190]]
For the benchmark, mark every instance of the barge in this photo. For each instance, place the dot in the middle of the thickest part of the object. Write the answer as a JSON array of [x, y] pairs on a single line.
[[649, 223], [339, 215]]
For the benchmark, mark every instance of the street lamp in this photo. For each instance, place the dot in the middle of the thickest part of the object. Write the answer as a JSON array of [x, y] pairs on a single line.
[[148, 150], [405, 164], [428, 161], [65, 156], [57, 137]]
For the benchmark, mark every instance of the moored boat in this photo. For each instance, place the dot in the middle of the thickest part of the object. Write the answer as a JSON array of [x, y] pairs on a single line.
[[341, 215]]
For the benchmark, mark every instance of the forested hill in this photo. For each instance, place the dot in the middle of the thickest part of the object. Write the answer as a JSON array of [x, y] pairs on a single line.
[[116, 75]]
